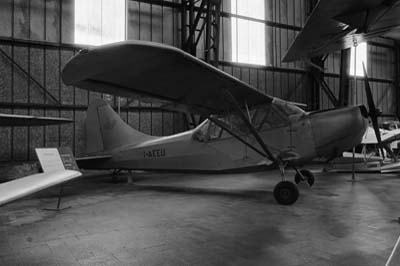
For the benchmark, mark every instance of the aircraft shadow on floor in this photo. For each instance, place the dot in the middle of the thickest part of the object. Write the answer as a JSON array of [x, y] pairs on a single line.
[[263, 195]]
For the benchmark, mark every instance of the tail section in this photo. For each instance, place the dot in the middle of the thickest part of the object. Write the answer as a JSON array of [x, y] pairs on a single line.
[[105, 130]]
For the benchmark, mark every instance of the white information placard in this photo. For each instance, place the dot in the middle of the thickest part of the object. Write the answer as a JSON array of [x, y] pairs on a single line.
[[50, 159]]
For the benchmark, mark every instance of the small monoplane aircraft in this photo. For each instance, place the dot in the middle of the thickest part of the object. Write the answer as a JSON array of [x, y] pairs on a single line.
[[244, 129], [341, 24]]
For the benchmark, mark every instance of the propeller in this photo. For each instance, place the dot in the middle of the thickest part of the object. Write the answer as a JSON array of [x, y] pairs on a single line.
[[373, 112]]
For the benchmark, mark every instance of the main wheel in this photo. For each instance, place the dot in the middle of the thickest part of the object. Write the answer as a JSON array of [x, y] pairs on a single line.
[[286, 193], [308, 175]]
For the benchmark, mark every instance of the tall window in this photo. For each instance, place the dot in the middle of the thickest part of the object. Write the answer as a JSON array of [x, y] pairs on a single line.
[[361, 56], [248, 37], [99, 21]]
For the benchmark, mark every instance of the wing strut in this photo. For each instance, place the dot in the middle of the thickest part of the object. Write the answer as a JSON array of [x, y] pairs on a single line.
[[252, 129], [221, 125]]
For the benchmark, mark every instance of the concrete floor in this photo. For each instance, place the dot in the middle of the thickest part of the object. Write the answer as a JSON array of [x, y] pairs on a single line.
[[170, 219]]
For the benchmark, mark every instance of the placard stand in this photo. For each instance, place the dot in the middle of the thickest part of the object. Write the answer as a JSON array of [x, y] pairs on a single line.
[[54, 159]]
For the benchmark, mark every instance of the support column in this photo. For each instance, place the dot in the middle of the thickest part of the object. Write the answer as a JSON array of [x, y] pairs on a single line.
[[344, 77], [183, 25], [197, 20], [397, 78], [312, 78]]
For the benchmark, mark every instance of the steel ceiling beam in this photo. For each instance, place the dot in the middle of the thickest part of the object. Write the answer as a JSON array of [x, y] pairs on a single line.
[[201, 21]]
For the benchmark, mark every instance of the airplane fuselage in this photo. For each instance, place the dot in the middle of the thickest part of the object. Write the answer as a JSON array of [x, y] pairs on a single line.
[[322, 134]]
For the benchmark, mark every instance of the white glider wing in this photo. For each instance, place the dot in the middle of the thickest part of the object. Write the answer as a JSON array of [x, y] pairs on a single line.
[[22, 187]]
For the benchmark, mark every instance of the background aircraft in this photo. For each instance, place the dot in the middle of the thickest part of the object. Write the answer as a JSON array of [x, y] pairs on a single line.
[[9, 120], [244, 129], [368, 157], [339, 24]]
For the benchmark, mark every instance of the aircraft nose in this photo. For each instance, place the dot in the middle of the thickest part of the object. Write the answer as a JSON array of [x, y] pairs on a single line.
[[336, 131]]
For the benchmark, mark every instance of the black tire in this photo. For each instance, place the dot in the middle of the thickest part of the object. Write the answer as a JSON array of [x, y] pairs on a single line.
[[286, 193], [308, 175]]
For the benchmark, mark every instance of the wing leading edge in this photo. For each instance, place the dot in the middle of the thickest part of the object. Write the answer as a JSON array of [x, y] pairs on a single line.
[[145, 69], [22, 187]]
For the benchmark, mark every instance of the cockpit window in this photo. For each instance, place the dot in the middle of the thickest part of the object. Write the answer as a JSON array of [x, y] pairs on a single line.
[[215, 132], [274, 115], [288, 109]]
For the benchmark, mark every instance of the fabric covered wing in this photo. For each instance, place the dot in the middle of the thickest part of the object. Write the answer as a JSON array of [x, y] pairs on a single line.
[[136, 68], [391, 20], [22, 187], [26, 120], [333, 25]]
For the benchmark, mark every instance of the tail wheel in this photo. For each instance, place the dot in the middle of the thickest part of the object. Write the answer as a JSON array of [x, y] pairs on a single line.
[[308, 175], [286, 193]]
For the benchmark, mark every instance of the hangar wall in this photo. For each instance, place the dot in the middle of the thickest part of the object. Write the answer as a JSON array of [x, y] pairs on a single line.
[[283, 19], [38, 36], [381, 69]]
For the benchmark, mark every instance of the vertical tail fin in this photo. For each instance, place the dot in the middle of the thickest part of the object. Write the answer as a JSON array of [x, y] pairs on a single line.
[[105, 130]]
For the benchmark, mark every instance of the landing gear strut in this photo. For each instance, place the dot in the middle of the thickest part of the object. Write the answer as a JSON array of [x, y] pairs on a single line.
[[115, 174], [285, 192], [304, 175]]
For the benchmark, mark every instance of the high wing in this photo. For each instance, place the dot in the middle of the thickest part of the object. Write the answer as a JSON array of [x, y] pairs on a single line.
[[335, 24], [151, 70], [22, 187], [27, 120]]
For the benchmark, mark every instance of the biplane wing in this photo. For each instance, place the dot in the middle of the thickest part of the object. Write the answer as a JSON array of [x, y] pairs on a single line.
[[145, 69], [28, 120], [336, 24]]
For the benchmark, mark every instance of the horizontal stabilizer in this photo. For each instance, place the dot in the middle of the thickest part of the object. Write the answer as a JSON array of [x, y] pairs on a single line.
[[92, 162]]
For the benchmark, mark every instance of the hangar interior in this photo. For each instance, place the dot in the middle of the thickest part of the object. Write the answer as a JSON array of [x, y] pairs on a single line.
[[182, 218], [37, 38]]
